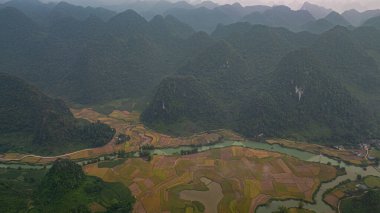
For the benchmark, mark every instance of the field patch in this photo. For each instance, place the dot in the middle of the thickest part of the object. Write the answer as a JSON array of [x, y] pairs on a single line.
[[247, 177]]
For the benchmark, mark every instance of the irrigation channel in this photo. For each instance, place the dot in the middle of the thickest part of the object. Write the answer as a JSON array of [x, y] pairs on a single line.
[[318, 206]]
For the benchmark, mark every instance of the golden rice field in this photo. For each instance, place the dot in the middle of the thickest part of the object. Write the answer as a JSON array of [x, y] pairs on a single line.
[[248, 178]]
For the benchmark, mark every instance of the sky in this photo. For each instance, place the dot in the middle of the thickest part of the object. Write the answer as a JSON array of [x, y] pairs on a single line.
[[338, 5]]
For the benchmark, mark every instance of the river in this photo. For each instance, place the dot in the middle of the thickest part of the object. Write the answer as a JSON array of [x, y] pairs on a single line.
[[319, 206]]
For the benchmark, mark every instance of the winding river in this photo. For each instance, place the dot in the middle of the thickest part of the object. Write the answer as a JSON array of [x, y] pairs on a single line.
[[319, 206]]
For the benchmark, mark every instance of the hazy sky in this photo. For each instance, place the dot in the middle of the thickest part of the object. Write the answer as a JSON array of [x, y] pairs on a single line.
[[339, 5]]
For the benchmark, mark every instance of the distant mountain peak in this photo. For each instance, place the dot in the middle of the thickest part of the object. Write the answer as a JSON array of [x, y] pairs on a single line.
[[337, 19], [128, 15], [316, 10]]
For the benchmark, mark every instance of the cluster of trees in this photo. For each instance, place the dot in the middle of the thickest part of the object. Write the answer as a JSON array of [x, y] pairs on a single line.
[[189, 152], [369, 202], [67, 188]]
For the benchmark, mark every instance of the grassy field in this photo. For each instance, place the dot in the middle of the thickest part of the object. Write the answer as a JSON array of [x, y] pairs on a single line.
[[248, 178]]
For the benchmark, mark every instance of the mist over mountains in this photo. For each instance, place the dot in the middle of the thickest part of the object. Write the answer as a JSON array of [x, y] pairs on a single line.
[[310, 74]]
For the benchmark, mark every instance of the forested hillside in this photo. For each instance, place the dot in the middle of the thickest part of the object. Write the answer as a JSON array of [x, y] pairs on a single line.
[[34, 123], [184, 81]]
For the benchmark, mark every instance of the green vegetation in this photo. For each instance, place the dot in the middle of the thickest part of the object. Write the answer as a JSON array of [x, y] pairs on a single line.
[[111, 163], [64, 188], [372, 181], [239, 77], [369, 202], [32, 122]]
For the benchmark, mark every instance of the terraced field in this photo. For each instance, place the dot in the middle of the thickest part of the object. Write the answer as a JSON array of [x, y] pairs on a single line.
[[126, 123], [248, 178]]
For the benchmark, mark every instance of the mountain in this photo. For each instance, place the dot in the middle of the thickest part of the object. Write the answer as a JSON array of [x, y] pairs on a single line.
[[280, 16], [169, 25], [201, 19], [180, 106], [348, 60], [34, 9], [32, 122], [318, 26], [206, 19], [127, 23], [317, 11], [336, 19], [325, 24], [129, 54], [63, 9], [185, 81], [15, 25], [357, 18], [373, 22], [258, 43], [207, 4], [314, 106]]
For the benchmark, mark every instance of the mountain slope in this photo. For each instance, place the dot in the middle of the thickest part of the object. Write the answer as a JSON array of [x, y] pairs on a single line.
[[336, 19], [182, 105], [280, 16], [317, 11], [358, 18], [373, 22], [314, 106], [33, 122], [318, 26]]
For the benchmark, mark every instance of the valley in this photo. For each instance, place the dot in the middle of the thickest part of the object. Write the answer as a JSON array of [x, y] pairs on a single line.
[[189, 107], [260, 172]]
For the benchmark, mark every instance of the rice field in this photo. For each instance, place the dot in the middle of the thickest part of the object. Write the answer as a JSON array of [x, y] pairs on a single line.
[[248, 178], [127, 123]]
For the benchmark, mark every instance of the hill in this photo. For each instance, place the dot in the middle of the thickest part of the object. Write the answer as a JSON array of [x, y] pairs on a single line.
[[336, 19], [317, 11], [314, 106], [318, 26], [373, 22], [73, 59], [358, 18], [249, 85], [32, 122], [280, 16]]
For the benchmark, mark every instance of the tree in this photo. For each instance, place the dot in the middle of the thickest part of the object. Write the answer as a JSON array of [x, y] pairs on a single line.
[[282, 209], [300, 205]]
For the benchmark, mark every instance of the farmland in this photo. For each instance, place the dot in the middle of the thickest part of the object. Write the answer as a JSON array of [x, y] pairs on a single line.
[[344, 155], [349, 189], [248, 178], [127, 123]]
